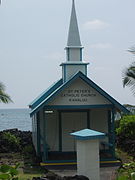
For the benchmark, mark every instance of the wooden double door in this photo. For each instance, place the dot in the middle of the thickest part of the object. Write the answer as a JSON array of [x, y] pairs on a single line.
[[72, 121]]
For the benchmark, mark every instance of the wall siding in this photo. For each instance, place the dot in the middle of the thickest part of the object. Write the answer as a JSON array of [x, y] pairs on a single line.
[[52, 131], [34, 131], [99, 122], [74, 54]]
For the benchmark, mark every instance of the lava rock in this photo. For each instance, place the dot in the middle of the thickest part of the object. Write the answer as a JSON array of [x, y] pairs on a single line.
[[76, 177], [6, 144], [52, 176]]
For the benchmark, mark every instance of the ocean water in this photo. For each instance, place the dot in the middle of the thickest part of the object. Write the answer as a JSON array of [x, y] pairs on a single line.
[[15, 118]]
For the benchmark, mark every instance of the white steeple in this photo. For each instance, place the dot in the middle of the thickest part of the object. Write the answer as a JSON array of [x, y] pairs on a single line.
[[74, 48], [73, 34]]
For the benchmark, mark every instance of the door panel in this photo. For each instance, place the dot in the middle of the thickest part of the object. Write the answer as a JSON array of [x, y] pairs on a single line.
[[71, 122]]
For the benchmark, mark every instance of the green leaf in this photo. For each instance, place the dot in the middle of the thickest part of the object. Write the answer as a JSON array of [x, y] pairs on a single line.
[[4, 168], [16, 178], [17, 165], [4, 176], [13, 171], [133, 176], [122, 178]]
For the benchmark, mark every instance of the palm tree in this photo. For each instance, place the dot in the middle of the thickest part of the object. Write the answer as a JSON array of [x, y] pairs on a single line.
[[129, 73], [132, 50], [129, 77], [5, 98]]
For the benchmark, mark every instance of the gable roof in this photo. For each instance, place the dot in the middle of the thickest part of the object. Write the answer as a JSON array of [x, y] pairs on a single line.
[[48, 95], [45, 94]]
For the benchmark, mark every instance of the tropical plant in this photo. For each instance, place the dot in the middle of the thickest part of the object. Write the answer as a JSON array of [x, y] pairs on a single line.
[[129, 74], [127, 127], [9, 172], [12, 142], [126, 134], [10, 138], [4, 97], [127, 171], [129, 77], [132, 50]]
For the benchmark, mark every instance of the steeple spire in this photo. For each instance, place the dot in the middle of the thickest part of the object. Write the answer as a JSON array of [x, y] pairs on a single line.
[[73, 34], [74, 48]]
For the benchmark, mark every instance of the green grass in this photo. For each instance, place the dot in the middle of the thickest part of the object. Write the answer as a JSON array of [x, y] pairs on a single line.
[[27, 169], [23, 176]]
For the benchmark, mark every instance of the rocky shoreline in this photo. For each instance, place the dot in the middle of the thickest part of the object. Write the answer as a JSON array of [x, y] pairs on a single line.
[[14, 140]]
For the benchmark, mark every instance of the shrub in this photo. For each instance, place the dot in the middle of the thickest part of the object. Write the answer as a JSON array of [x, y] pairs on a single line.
[[126, 134], [8, 172], [127, 171], [28, 150], [11, 138], [127, 127], [12, 141], [117, 124]]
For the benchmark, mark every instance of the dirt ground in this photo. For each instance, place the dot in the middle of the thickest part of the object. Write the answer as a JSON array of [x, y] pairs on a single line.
[[106, 173], [29, 167]]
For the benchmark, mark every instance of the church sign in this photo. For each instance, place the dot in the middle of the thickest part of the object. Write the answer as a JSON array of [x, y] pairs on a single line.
[[78, 95]]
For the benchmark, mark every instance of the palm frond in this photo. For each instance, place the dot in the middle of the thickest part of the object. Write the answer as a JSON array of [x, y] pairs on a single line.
[[4, 98], [129, 77], [2, 87], [132, 50]]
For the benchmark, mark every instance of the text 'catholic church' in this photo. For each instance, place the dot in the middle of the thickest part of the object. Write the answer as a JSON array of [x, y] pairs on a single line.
[[73, 103]]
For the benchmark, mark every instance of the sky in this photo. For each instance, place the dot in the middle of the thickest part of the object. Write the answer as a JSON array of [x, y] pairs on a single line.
[[33, 35]]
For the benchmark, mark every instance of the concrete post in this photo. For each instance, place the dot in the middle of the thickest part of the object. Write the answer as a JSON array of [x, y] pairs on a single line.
[[88, 153], [88, 159]]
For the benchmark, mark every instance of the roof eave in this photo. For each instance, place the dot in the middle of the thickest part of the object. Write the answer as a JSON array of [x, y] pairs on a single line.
[[90, 82]]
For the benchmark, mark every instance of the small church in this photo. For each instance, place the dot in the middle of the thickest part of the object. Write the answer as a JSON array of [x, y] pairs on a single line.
[[71, 104]]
